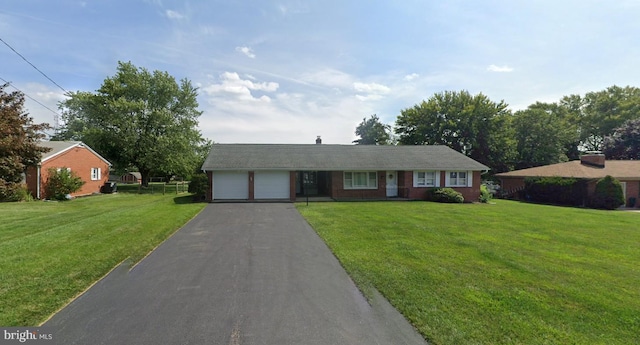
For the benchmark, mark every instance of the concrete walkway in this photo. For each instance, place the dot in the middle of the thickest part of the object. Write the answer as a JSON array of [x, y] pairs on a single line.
[[236, 274]]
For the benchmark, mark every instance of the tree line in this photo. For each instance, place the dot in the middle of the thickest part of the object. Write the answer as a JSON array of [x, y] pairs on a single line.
[[544, 133], [148, 122]]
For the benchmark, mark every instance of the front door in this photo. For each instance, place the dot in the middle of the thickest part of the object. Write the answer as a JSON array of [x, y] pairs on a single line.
[[392, 184]]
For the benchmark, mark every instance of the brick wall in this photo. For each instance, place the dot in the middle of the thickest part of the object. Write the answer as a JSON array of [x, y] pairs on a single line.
[[80, 160], [338, 191], [405, 187]]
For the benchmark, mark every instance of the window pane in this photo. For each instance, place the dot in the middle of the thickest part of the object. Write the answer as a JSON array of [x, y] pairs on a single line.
[[360, 179], [430, 179], [348, 180]]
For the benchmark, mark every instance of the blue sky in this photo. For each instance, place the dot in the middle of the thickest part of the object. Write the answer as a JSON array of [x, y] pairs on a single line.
[[287, 71]]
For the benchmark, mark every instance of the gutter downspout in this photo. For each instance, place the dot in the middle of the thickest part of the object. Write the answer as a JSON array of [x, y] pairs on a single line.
[[38, 183]]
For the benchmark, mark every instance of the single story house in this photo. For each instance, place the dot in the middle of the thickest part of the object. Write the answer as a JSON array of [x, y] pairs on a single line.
[[76, 156], [131, 177], [286, 171], [590, 167]]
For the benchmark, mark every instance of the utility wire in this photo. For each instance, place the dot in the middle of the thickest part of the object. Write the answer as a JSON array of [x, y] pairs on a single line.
[[31, 98], [32, 65]]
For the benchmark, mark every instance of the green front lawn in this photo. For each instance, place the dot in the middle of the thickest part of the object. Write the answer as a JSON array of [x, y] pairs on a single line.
[[503, 273], [52, 251]]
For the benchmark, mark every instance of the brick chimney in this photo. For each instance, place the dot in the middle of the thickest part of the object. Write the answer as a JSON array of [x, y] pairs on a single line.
[[593, 159], [318, 140]]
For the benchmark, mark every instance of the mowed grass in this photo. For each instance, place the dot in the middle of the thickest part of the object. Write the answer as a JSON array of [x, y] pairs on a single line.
[[503, 273], [52, 251]]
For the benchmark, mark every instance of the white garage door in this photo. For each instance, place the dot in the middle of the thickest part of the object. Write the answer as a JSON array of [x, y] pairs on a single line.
[[230, 185], [271, 185]]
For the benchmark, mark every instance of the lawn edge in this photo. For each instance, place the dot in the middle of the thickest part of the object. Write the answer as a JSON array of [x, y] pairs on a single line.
[[72, 299], [127, 259]]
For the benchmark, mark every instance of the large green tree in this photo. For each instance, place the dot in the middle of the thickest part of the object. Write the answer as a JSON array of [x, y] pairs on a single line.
[[624, 143], [372, 132], [138, 120], [471, 124], [545, 134], [601, 112], [19, 138]]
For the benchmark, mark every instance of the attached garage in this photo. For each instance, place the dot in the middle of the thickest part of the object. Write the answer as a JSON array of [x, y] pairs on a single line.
[[230, 185], [271, 185]]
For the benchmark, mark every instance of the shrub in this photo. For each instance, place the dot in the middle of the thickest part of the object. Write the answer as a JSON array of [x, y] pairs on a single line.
[[608, 194], [555, 190], [24, 194], [14, 192], [199, 185], [62, 183], [9, 191], [446, 195], [485, 194]]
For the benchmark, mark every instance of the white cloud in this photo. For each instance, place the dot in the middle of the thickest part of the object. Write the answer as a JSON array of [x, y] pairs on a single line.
[[499, 69], [47, 97], [370, 91], [238, 109], [174, 15], [232, 85], [246, 51], [329, 77], [412, 76], [371, 87]]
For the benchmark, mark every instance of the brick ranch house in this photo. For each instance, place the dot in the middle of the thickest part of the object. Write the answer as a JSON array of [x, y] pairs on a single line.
[[92, 168], [590, 167], [286, 171]]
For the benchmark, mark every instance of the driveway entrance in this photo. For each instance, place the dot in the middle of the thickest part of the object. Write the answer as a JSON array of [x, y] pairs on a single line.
[[236, 274]]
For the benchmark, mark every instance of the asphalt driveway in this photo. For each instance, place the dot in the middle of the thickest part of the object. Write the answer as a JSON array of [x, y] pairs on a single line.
[[236, 274]]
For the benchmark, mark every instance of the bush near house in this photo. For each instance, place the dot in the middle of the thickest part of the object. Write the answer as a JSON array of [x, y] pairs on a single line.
[[485, 194], [608, 194], [198, 186], [446, 195], [555, 190], [62, 182]]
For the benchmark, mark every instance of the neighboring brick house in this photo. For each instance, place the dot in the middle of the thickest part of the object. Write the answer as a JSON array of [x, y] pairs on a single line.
[[92, 168], [286, 171], [590, 167]]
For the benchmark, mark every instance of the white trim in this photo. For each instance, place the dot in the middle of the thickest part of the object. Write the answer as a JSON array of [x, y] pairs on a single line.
[[392, 189], [38, 183], [436, 178], [96, 174], [468, 177], [344, 180], [77, 144]]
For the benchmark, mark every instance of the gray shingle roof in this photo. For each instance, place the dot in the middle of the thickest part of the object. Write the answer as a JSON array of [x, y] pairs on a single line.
[[336, 157]]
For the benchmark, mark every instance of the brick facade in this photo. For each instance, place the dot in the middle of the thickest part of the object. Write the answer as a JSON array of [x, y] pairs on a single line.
[[332, 185], [81, 160]]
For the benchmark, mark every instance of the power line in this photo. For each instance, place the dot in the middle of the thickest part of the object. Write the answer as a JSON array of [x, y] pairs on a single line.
[[32, 65], [31, 98]]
